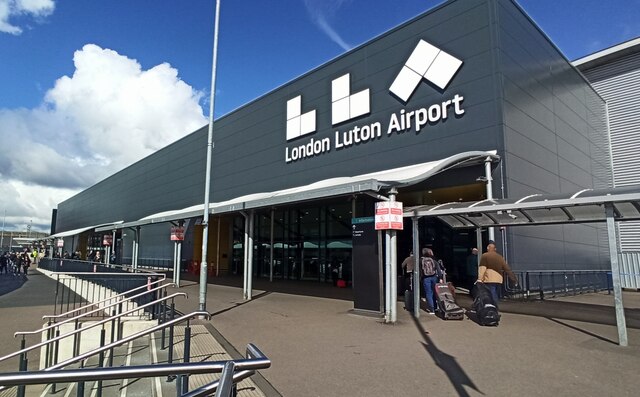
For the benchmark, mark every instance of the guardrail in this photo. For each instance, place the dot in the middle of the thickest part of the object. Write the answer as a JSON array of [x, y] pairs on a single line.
[[52, 344], [255, 360], [544, 283]]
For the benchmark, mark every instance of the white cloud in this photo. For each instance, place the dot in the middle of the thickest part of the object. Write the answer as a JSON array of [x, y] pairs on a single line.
[[13, 8], [321, 11], [109, 114]]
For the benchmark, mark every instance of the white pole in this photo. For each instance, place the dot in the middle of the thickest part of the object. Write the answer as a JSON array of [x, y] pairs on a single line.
[[179, 264], [387, 276], [393, 286], [487, 172], [207, 179]]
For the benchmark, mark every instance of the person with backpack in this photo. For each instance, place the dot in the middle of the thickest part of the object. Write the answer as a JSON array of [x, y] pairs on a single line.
[[432, 272]]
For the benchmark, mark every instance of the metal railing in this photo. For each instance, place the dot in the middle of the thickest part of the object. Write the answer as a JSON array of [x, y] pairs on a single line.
[[105, 302], [544, 283], [52, 344], [255, 360], [79, 289]]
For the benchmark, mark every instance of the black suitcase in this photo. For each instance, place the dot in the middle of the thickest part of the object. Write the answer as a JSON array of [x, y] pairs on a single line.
[[449, 309], [484, 306], [408, 296]]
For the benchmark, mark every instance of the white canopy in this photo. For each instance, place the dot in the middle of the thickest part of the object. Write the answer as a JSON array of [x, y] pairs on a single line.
[[372, 182]]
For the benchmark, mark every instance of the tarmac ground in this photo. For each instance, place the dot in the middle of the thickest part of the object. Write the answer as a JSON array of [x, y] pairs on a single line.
[[318, 347]]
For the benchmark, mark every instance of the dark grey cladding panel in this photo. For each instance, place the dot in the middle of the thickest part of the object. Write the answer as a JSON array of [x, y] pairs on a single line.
[[553, 121], [250, 143], [172, 177]]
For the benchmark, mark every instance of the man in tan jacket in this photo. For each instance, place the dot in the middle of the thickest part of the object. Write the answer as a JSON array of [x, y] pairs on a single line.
[[492, 267]]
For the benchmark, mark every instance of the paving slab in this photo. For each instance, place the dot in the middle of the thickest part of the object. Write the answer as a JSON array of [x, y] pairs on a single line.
[[319, 348]]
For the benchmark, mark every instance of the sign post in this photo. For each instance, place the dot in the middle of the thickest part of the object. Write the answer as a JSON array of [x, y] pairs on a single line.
[[177, 236], [389, 218]]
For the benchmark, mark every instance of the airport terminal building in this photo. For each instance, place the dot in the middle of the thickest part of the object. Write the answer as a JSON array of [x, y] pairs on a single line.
[[466, 102]]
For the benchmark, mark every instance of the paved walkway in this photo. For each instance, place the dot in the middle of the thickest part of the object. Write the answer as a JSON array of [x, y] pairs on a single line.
[[565, 347], [318, 348]]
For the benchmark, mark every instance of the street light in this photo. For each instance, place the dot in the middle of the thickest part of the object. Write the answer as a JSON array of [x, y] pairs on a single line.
[[2, 235], [207, 181]]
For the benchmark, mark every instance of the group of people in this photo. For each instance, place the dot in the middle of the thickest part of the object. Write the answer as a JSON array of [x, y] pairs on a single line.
[[14, 263], [489, 270]]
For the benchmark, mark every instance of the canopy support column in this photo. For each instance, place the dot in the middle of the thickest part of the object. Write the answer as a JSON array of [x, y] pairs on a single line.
[[393, 286], [248, 255], [479, 243], [615, 277], [415, 282], [271, 247], [487, 175]]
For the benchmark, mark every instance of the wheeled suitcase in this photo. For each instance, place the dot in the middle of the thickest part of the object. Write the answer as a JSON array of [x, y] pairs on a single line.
[[449, 309], [484, 306], [408, 297]]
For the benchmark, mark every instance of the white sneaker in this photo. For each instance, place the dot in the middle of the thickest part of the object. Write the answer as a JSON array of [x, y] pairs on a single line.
[[423, 299]]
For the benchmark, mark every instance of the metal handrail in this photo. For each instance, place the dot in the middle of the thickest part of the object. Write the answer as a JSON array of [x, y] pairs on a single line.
[[220, 385], [112, 265], [127, 339], [141, 371], [54, 325], [52, 316], [106, 320]]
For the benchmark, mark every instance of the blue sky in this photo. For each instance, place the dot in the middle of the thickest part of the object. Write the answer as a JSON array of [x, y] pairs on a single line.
[[64, 65]]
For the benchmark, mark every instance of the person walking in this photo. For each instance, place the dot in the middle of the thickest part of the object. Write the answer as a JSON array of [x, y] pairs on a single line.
[[491, 270], [471, 268], [432, 273]]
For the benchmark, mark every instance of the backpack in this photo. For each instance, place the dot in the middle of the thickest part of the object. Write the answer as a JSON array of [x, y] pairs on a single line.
[[428, 266]]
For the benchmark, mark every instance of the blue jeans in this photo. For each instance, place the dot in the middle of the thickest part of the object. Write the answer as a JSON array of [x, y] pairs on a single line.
[[494, 288], [429, 284]]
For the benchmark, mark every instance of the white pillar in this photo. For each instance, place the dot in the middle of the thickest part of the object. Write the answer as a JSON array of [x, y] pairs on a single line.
[[416, 268], [487, 172], [393, 286]]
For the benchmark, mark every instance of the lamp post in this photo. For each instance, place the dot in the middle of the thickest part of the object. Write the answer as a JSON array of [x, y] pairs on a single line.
[[207, 181], [2, 235]]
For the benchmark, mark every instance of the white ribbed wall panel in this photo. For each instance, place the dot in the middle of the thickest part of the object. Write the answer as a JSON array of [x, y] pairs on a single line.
[[618, 83]]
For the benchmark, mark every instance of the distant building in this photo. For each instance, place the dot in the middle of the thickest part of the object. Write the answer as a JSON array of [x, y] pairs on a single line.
[[615, 74]]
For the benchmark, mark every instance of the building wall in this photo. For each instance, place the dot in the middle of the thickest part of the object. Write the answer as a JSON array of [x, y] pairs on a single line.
[[250, 143], [521, 98], [618, 82], [555, 141]]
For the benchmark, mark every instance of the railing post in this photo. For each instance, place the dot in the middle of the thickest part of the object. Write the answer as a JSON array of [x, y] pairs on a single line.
[[187, 355], [55, 356], [47, 348], [22, 365], [170, 346], [113, 336], [101, 360], [540, 286], [76, 337], [119, 321]]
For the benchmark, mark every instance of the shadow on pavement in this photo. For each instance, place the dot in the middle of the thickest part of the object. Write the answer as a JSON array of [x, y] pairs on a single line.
[[11, 282], [590, 313], [457, 376], [573, 327]]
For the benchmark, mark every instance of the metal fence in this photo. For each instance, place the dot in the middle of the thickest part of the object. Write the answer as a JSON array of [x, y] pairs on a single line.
[[552, 283]]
